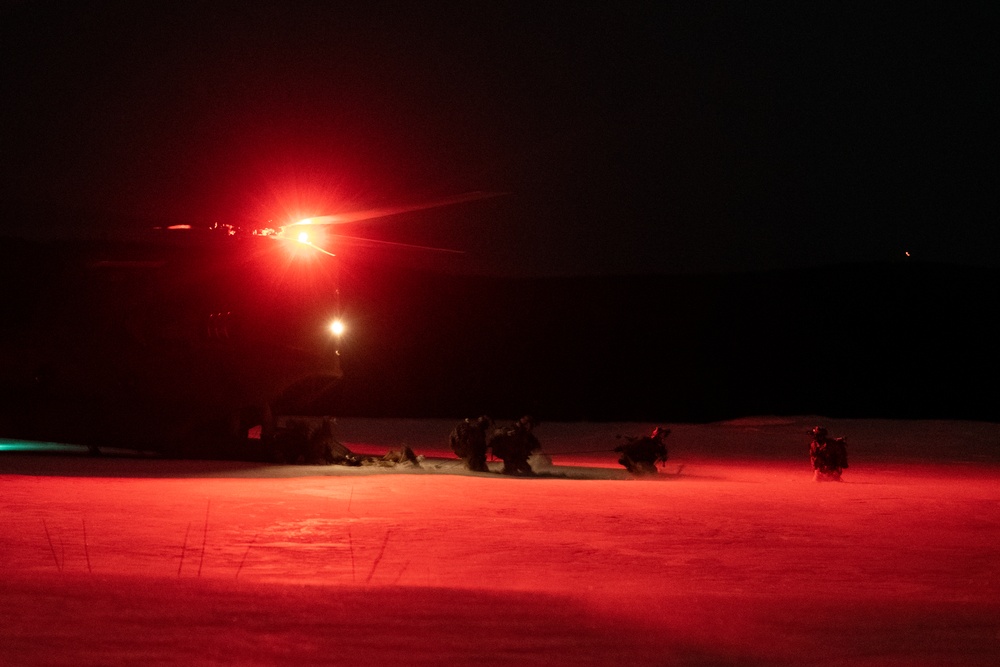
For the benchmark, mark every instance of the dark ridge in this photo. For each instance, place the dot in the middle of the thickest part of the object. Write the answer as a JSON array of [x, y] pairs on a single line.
[[895, 340]]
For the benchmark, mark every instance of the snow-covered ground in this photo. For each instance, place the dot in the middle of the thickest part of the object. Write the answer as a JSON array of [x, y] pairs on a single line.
[[739, 559]]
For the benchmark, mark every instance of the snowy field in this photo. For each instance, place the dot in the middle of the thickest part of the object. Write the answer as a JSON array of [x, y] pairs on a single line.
[[740, 559]]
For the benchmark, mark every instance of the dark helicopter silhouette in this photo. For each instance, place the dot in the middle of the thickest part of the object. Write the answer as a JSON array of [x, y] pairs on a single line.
[[186, 343]]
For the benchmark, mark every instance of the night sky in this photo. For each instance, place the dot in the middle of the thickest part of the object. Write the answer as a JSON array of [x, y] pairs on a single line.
[[654, 137]]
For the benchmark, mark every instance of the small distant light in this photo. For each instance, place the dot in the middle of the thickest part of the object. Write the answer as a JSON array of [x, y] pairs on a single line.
[[907, 252], [336, 327]]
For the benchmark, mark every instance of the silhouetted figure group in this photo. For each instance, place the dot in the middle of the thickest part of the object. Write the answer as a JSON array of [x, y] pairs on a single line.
[[828, 456], [473, 439], [513, 445]]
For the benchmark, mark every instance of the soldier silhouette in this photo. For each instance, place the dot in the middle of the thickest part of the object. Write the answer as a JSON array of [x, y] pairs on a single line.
[[827, 455], [468, 441], [640, 454], [515, 444]]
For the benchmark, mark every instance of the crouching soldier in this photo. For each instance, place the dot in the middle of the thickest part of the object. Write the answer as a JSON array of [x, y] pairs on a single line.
[[468, 441], [514, 445], [828, 456], [640, 454]]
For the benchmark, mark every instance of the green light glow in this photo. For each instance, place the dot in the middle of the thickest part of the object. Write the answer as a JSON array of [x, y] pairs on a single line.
[[9, 445]]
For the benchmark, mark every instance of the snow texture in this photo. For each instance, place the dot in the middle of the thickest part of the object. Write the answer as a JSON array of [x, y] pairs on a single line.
[[741, 559]]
